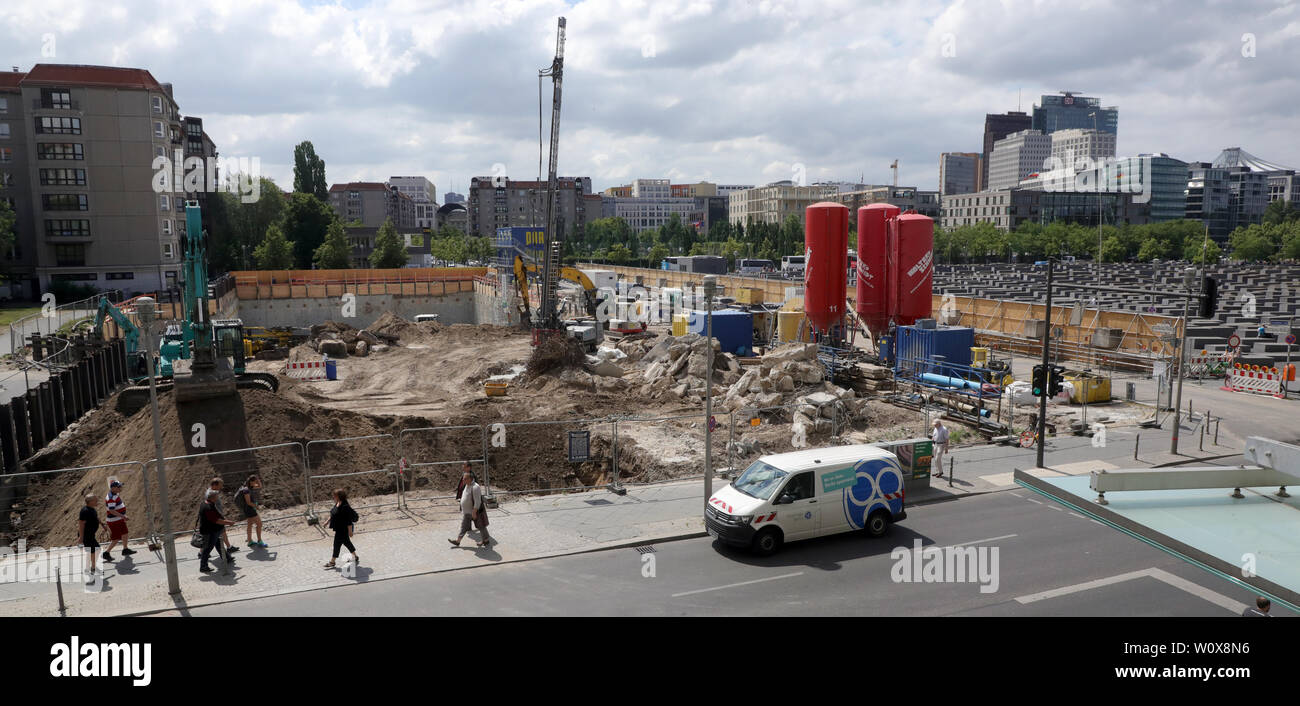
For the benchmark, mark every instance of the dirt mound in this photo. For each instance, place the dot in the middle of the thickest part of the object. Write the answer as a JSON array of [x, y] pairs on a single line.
[[392, 325], [555, 353]]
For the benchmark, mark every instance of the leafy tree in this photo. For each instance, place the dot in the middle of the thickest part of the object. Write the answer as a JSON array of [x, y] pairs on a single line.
[[1112, 249], [1151, 249], [237, 227], [335, 253], [306, 221], [7, 220], [1280, 212], [309, 171], [275, 252], [657, 253], [677, 236], [1193, 252], [389, 251], [1251, 244], [618, 254]]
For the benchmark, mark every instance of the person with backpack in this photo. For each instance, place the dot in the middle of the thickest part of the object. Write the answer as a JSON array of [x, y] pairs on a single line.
[[246, 499], [342, 520], [472, 511]]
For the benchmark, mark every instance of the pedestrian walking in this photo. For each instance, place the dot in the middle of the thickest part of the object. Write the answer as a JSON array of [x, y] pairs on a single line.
[[246, 499], [343, 520], [1262, 606], [87, 529], [218, 485], [472, 511], [939, 435], [115, 518], [212, 524]]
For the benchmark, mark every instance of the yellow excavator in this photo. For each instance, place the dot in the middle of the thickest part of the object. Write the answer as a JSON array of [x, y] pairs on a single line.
[[572, 274]]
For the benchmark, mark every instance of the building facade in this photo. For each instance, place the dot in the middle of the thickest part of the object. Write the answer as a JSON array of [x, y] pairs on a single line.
[[773, 202], [906, 198], [1069, 111], [1155, 179], [1208, 198], [1070, 147], [959, 172], [423, 194], [1017, 156], [79, 147], [453, 197], [1006, 209], [997, 127], [370, 203], [496, 202]]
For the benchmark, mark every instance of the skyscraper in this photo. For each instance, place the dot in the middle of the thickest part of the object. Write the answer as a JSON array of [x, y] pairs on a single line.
[[996, 127], [959, 172], [1070, 111]]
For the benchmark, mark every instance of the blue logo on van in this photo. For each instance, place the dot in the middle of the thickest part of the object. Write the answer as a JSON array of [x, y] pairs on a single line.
[[878, 484]]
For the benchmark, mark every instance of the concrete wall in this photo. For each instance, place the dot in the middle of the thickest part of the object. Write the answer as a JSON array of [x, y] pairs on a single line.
[[491, 306], [452, 308]]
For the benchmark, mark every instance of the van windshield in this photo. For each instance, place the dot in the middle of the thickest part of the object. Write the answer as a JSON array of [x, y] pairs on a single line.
[[760, 480]]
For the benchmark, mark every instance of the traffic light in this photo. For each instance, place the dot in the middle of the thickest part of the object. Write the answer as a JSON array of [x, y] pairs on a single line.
[[1040, 383], [1055, 380], [1211, 300]]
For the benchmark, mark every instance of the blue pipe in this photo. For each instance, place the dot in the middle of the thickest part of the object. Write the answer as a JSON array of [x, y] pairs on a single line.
[[946, 381]]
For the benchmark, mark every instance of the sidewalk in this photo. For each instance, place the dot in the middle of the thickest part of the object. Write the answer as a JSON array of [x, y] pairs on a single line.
[[394, 542]]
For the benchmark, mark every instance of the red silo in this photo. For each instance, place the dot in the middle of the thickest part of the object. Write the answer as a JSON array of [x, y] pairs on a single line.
[[826, 263], [872, 281], [911, 274]]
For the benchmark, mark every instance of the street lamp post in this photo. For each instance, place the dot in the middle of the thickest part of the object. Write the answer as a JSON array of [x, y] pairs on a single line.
[[145, 307], [710, 289], [1182, 357], [1097, 185]]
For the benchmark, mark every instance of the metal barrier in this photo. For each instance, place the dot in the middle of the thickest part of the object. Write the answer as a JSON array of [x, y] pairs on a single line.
[[744, 451], [420, 449], [316, 463], [1255, 379], [665, 433], [47, 325], [14, 484], [269, 463], [510, 456], [390, 470]]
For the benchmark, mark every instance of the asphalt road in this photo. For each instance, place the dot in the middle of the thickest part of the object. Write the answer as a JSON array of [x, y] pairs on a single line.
[[1046, 559]]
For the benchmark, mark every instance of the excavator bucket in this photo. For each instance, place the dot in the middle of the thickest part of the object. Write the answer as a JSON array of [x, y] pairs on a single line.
[[205, 383]]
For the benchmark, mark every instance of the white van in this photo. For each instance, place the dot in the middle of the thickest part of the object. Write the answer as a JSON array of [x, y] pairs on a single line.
[[812, 493], [425, 317]]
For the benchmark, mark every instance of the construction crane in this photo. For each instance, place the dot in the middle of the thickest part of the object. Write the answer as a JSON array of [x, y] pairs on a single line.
[[894, 167], [548, 319]]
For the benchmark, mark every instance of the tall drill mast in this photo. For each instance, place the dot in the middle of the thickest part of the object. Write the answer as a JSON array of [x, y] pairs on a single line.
[[550, 264]]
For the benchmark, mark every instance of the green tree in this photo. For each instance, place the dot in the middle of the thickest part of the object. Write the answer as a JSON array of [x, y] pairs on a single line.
[[677, 236], [657, 253], [1112, 250], [389, 252], [1279, 211], [335, 253], [618, 254], [309, 171], [236, 228], [1152, 249], [306, 221], [1193, 252], [7, 220], [275, 252], [1251, 244]]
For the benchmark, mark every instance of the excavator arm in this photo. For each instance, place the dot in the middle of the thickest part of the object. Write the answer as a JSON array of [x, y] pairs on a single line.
[[130, 333], [572, 274]]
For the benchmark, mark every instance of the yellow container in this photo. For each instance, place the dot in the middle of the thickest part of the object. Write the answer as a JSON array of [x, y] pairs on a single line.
[[681, 323], [495, 389], [793, 304], [979, 357], [1098, 388], [790, 326], [749, 295]]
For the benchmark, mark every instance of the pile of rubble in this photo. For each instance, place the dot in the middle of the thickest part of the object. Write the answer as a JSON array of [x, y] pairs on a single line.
[[339, 340], [677, 366]]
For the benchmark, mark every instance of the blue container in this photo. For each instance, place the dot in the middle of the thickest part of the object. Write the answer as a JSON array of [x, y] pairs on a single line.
[[917, 348], [331, 370], [734, 329]]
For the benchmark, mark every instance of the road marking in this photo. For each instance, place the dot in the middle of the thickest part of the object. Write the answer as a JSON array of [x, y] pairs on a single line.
[[1159, 574], [975, 541], [1053, 507], [1075, 514], [734, 585], [1018, 495], [1036, 502], [1095, 522]]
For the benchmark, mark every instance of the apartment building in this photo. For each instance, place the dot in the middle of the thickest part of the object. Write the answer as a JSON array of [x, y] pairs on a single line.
[[773, 202], [1006, 209], [907, 198], [423, 194], [78, 146], [370, 203], [1075, 146], [959, 172], [496, 202], [996, 127], [1017, 156]]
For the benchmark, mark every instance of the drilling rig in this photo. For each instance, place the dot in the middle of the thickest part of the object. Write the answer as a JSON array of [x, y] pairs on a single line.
[[548, 322]]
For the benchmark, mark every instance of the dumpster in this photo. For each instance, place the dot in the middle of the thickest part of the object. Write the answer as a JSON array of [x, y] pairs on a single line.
[[1096, 387]]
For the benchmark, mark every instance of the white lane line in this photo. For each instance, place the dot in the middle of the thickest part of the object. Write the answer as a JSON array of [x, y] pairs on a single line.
[[975, 541], [1075, 514], [1036, 502], [1159, 574], [1018, 495], [734, 585], [1055, 508], [1095, 522]]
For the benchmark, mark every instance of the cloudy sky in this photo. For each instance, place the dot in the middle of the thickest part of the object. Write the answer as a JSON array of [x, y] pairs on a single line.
[[727, 91]]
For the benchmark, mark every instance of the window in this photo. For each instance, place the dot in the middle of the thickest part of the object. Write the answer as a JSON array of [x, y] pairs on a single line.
[[67, 228], [157, 104], [74, 276], [4, 131], [59, 150], [159, 130], [6, 154], [4, 106], [46, 125], [167, 226], [164, 203], [56, 98], [63, 177], [119, 275], [64, 202], [70, 255], [167, 251]]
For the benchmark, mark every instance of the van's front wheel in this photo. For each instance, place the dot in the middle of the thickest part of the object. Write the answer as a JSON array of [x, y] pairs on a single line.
[[878, 523], [767, 542]]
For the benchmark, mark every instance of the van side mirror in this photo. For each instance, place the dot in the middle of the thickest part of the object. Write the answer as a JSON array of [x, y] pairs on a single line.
[[785, 499]]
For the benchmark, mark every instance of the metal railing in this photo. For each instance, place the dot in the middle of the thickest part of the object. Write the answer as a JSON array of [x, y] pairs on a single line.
[[306, 455], [10, 482]]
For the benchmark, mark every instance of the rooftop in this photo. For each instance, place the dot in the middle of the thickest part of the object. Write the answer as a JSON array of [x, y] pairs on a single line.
[[85, 75]]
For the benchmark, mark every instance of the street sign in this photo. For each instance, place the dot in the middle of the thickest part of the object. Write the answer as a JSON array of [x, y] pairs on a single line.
[[1164, 329], [713, 424], [1290, 339], [1234, 340], [1058, 332], [579, 446]]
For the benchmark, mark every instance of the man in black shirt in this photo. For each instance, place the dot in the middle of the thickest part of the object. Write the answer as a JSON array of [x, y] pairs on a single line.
[[211, 525], [1260, 610], [87, 528]]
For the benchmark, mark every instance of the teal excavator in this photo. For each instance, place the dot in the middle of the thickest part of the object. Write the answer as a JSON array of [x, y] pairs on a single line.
[[213, 348]]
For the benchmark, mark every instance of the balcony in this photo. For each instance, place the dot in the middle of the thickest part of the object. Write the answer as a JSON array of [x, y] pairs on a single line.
[[41, 104]]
